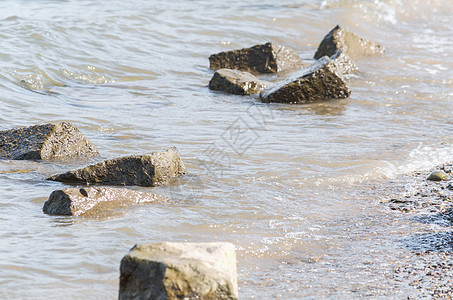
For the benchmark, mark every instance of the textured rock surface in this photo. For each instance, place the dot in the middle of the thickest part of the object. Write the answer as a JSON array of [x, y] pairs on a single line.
[[344, 63], [320, 81], [179, 271], [349, 43], [46, 142], [94, 201], [236, 82], [145, 170], [267, 58]]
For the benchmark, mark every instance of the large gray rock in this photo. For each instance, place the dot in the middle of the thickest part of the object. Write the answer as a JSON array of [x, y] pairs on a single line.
[[145, 170], [349, 43], [179, 271], [46, 142], [94, 201], [236, 82], [267, 58], [320, 81]]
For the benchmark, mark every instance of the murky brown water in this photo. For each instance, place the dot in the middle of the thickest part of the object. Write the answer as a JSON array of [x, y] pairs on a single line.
[[287, 184]]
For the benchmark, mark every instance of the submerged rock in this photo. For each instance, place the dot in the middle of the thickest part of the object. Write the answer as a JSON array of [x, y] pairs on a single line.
[[320, 81], [94, 201], [179, 271], [144, 170], [45, 142], [236, 82], [437, 176], [349, 43], [267, 58]]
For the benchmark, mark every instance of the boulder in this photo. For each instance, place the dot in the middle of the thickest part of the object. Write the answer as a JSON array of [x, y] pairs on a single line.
[[349, 43], [236, 82], [45, 142], [179, 271], [144, 170], [320, 81], [267, 58], [94, 201]]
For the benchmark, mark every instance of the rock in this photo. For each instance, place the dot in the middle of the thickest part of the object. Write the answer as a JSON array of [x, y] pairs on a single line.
[[236, 82], [320, 81], [349, 43], [267, 58], [345, 64], [144, 170], [437, 176], [179, 271], [46, 142], [94, 201]]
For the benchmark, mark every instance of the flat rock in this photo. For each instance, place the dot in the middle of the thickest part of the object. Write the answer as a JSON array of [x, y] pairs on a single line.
[[236, 82], [267, 58], [321, 81], [144, 170], [179, 271], [349, 43], [45, 142], [94, 201]]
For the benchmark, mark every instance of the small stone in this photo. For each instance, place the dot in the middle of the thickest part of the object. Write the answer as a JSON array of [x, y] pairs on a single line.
[[236, 82], [437, 176], [320, 81], [94, 201], [267, 58], [144, 170], [179, 271], [45, 142], [349, 43]]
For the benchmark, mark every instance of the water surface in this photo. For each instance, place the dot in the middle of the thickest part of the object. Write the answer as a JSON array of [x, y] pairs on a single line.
[[289, 185]]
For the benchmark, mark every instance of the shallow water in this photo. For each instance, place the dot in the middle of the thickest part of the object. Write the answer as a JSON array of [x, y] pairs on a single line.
[[287, 184]]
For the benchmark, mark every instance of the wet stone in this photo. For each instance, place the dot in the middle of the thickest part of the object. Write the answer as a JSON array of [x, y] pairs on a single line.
[[344, 63], [179, 271], [349, 43], [152, 169], [437, 176], [321, 81], [236, 82], [94, 201], [267, 58], [45, 142]]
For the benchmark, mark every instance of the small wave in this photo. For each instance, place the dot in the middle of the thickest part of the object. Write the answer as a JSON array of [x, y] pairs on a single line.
[[32, 78], [88, 77], [422, 158]]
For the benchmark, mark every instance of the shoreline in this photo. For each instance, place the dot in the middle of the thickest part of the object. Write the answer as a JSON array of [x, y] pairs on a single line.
[[429, 204]]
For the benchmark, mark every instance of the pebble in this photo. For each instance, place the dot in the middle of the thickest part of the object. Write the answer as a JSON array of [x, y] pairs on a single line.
[[437, 176]]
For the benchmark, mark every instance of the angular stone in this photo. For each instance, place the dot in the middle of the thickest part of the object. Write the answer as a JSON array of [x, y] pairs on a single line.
[[236, 82], [45, 142], [144, 170], [320, 81], [94, 201], [349, 43], [437, 176], [344, 63], [267, 58], [179, 271]]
